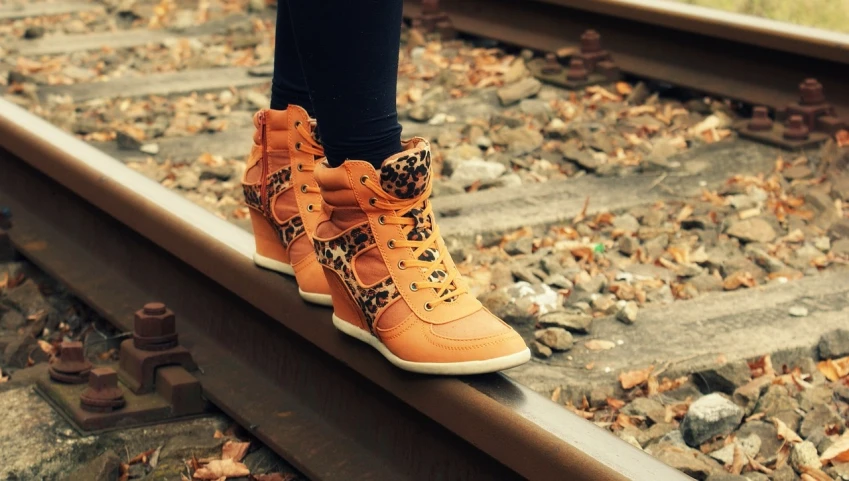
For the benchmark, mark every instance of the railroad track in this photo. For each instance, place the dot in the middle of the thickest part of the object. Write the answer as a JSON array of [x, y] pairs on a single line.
[[329, 406]]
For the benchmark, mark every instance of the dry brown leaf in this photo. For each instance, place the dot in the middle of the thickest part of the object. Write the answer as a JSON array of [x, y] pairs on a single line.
[[758, 466], [555, 395], [599, 345], [631, 379], [739, 460], [686, 212], [582, 253], [273, 477], [838, 451], [219, 468], [784, 432], [623, 88], [234, 450], [842, 137], [814, 474], [615, 404], [583, 214], [834, 369], [737, 280]]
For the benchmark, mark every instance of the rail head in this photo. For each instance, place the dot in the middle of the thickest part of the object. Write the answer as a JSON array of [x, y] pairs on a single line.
[[784, 37], [524, 431]]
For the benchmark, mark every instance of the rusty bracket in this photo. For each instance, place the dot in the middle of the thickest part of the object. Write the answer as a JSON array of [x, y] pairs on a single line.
[[432, 19], [590, 65], [805, 123], [152, 384]]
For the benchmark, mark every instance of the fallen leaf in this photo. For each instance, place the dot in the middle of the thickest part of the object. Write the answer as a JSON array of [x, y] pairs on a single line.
[[599, 345], [834, 369], [842, 137], [814, 474], [273, 477], [738, 461], [219, 468], [555, 396], [583, 214], [758, 466], [784, 432], [623, 88], [234, 450], [737, 280], [615, 404], [838, 451], [142, 457], [635, 378]]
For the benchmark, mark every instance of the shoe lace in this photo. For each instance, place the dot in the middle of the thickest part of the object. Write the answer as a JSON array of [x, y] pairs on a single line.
[[310, 145], [446, 288]]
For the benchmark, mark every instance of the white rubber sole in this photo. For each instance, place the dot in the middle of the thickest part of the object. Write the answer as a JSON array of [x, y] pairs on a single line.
[[273, 265], [315, 298], [444, 368]]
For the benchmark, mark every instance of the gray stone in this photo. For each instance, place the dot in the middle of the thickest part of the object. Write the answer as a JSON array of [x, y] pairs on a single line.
[[582, 158], [811, 398], [655, 432], [34, 32], [784, 473], [752, 230], [556, 338], [527, 87], [105, 467], [834, 344], [25, 298], [446, 187], [756, 476], [220, 172], [804, 454], [473, 170], [540, 350], [188, 179], [750, 445], [840, 247], [725, 378], [689, 461], [522, 245], [647, 408], [422, 112], [817, 419], [628, 313], [766, 432], [256, 99], [519, 140], [710, 416], [840, 229], [673, 438], [778, 403], [17, 352], [726, 477], [626, 222], [747, 395], [798, 311], [706, 283], [573, 321], [12, 320], [628, 245], [558, 280]]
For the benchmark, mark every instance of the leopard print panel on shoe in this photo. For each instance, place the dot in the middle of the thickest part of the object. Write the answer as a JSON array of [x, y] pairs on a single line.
[[278, 182], [407, 176], [338, 254]]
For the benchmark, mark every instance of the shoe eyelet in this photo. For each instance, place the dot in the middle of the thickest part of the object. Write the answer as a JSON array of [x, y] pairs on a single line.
[[428, 307], [297, 146], [309, 207], [402, 265], [304, 188], [297, 123], [381, 220], [372, 201], [391, 244], [300, 167], [414, 287], [363, 179]]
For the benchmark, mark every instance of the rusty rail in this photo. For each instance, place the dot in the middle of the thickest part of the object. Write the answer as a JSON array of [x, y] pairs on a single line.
[[756, 61], [332, 407]]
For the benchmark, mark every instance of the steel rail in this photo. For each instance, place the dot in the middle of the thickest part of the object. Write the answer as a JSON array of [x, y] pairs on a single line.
[[744, 58], [329, 405]]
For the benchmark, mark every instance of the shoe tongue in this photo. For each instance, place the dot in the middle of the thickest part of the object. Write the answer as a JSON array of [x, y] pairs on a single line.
[[405, 175]]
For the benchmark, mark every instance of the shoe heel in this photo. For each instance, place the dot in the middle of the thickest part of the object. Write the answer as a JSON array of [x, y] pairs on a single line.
[[269, 251], [343, 306]]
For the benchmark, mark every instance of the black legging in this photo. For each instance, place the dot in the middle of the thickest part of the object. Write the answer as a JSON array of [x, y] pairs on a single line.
[[339, 60]]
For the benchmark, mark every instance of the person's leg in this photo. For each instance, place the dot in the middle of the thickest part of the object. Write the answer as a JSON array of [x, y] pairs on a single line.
[[288, 85], [349, 54]]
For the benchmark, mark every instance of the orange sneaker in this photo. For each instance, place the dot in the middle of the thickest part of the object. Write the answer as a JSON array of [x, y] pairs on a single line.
[[284, 208], [393, 283]]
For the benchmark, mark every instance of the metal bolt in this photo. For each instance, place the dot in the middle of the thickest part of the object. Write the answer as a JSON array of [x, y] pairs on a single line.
[[795, 128], [760, 119], [551, 65], [154, 328], [576, 71], [71, 367], [810, 92], [102, 393], [590, 42]]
